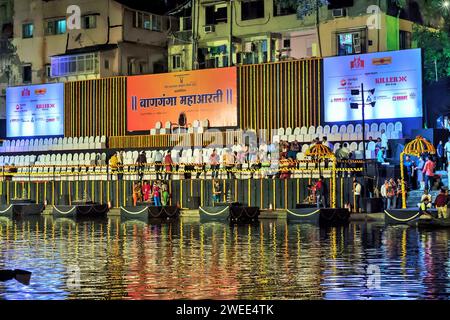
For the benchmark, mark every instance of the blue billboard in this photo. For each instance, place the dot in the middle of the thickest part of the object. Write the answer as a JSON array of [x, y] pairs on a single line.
[[35, 110], [396, 77]]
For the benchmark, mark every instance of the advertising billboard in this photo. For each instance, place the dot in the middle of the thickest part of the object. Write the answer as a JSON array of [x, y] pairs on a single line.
[[396, 77], [191, 95], [35, 110]]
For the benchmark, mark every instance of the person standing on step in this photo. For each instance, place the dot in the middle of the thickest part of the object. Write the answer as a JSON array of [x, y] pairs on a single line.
[[394, 193], [400, 193], [390, 194], [440, 156], [199, 164], [214, 163], [383, 190], [158, 164], [441, 204], [447, 151], [428, 171], [165, 196], [119, 165], [156, 194], [216, 190], [113, 164], [384, 141], [357, 194], [137, 193], [409, 169], [168, 163], [419, 173], [141, 162], [229, 161], [322, 192], [146, 190]]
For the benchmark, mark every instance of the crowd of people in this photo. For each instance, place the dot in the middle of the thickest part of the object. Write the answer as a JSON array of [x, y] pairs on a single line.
[[420, 171], [391, 193], [156, 193], [256, 160]]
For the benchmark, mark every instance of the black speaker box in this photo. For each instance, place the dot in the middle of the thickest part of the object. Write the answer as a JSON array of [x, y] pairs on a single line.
[[373, 205]]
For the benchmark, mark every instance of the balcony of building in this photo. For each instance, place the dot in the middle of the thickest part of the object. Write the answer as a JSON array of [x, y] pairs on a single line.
[[6, 47]]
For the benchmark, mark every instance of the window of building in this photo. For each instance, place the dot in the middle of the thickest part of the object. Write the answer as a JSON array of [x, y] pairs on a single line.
[[130, 66], [147, 21], [280, 8], [159, 67], [256, 51], [142, 67], [90, 22], [405, 39], [176, 61], [106, 64], [74, 65], [351, 43], [185, 23], [286, 43], [216, 14], [26, 73], [27, 30], [54, 27], [252, 9]]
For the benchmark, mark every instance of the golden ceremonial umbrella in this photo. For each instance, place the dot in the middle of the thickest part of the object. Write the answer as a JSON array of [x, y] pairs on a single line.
[[416, 147], [319, 151]]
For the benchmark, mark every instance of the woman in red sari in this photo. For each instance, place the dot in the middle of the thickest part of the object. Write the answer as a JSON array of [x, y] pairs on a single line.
[[146, 191]]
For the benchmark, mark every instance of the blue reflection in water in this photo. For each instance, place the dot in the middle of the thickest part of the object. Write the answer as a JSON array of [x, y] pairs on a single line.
[[187, 259]]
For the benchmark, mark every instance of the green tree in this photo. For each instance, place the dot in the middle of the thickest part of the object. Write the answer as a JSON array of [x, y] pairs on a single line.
[[436, 51]]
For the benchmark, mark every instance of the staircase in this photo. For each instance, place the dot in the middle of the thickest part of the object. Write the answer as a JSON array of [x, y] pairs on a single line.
[[414, 196]]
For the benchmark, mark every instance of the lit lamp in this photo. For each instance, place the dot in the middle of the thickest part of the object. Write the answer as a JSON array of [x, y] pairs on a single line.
[[355, 105]]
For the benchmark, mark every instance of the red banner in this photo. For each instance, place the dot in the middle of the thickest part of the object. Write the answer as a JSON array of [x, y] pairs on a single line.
[[208, 94]]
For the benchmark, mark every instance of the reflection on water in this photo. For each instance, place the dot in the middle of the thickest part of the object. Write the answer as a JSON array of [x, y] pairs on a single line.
[[187, 259]]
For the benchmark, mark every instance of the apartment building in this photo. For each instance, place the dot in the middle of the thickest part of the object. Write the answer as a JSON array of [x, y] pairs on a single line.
[[219, 33], [6, 50], [68, 40]]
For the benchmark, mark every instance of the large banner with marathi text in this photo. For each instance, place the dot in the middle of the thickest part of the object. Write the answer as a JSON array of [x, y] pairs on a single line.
[[189, 95]]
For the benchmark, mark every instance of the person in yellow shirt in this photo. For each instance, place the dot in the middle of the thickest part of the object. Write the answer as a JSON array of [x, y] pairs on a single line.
[[229, 161], [114, 164]]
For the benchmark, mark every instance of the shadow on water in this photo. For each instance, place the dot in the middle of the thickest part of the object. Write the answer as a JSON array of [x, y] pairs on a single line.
[[181, 259]]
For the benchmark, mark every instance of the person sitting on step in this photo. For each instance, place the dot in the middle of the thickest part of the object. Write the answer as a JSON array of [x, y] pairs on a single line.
[[424, 209]]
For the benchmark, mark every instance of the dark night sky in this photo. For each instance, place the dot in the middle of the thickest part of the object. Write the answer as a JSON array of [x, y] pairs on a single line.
[[154, 6]]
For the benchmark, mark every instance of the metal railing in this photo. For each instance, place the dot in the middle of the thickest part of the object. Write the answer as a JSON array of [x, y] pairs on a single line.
[[107, 172]]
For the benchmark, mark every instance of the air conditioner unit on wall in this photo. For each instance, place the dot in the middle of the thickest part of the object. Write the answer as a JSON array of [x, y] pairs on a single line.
[[209, 28], [338, 13], [248, 47]]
